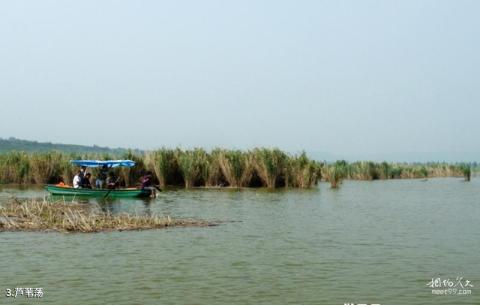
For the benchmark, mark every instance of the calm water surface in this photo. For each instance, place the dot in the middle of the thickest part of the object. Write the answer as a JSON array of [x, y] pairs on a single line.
[[368, 242]]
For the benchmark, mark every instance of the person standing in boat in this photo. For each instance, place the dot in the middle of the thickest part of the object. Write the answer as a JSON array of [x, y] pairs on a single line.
[[101, 177]]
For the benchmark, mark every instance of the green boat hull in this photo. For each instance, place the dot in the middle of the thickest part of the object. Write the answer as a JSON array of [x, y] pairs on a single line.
[[116, 193]]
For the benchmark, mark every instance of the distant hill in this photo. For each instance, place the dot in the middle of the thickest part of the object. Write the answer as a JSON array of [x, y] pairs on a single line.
[[14, 144]]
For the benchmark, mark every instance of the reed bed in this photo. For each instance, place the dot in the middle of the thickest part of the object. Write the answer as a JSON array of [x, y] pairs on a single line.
[[259, 167], [35, 215], [368, 170]]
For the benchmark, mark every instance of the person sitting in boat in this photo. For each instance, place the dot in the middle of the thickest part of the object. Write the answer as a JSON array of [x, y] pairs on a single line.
[[60, 183], [111, 181], [77, 180], [101, 177], [85, 182]]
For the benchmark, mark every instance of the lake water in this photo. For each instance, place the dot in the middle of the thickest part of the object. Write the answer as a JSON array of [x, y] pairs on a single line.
[[376, 242]]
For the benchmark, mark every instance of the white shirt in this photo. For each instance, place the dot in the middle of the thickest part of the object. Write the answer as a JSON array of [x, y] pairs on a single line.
[[76, 181]]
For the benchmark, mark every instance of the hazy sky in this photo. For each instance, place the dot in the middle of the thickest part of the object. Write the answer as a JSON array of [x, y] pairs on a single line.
[[360, 79]]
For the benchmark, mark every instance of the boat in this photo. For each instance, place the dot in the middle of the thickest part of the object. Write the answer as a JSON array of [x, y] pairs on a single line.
[[64, 190], [113, 193]]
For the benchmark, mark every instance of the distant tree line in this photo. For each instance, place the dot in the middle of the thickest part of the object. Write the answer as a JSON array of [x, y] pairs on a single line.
[[14, 144]]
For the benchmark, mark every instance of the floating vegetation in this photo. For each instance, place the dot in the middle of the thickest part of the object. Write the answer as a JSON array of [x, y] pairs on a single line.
[[59, 216], [260, 167]]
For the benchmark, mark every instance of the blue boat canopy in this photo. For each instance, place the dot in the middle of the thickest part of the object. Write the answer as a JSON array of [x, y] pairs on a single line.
[[100, 163]]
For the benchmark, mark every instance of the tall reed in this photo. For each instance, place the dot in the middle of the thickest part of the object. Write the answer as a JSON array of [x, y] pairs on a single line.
[[302, 172], [193, 165], [466, 170], [15, 168], [236, 166], [130, 175], [213, 171], [270, 165], [367, 170], [335, 173], [162, 161], [45, 167]]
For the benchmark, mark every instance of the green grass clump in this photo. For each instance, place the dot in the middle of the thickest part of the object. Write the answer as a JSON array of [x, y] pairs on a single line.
[[335, 173], [466, 171]]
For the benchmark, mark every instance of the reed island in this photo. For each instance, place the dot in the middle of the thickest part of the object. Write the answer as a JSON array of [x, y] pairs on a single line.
[[72, 217]]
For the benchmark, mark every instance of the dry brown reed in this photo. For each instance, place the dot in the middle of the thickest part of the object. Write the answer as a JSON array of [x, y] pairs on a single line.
[[36, 215]]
